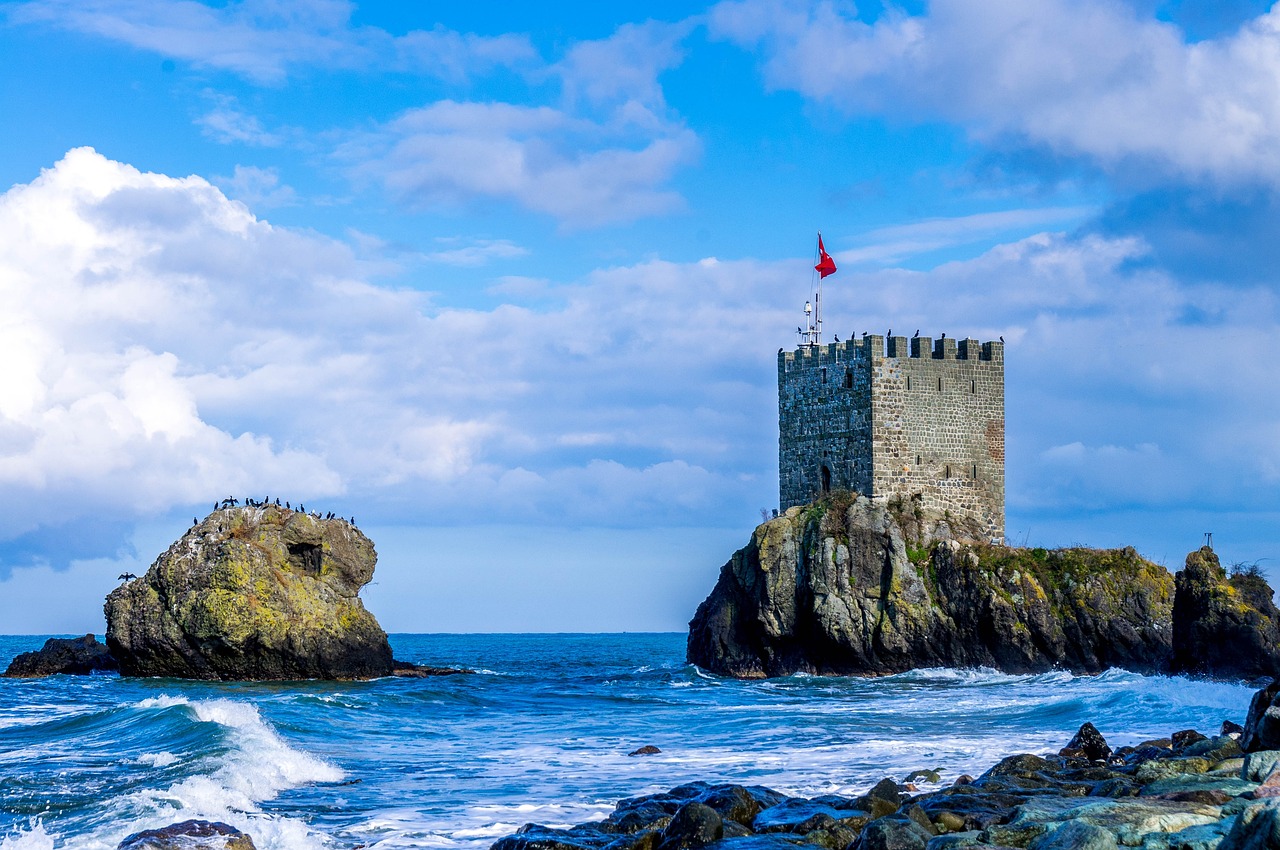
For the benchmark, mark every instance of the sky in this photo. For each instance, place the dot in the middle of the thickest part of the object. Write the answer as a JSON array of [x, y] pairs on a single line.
[[506, 281]]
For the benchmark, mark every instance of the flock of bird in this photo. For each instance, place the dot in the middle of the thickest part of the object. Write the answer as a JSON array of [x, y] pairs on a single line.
[[232, 501], [916, 335]]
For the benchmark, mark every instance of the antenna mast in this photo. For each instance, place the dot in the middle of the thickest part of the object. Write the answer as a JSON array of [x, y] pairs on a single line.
[[812, 333]]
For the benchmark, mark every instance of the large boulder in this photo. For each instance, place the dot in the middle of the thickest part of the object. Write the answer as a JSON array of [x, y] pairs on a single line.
[[258, 592], [81, 655], [1223, 626], [852, 586]]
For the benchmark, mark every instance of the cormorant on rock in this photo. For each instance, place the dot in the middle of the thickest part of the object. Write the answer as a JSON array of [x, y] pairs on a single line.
[[126, 577], [286, 506], [195, 521], [277, 501]]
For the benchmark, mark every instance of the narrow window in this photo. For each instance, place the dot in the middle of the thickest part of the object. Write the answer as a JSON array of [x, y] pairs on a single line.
[[848, 379], [974, 388], [947, 471], [975, 471], [824, 374], [908, 382], [919, 461], [826, 479], [939, 385]]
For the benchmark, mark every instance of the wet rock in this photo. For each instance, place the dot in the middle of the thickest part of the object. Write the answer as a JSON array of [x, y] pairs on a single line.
[[1256, 828], [694, 825], [1185, 738], [930, 776], [409, 670], [1076, 835], [1232, 729], [801, 816], [733, 802], [893, 833], [1257, 766], [189, 835], [883, 799], [534, 837], [1089, 740], [1223, 627], [646, 750], [252, 593], [76, 656], [1129, 820], [1262, 726]]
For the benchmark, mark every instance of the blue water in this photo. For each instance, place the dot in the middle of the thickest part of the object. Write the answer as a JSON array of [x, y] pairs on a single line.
[[541, 733]]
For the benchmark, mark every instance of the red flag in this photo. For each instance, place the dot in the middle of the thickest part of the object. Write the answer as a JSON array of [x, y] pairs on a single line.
[[825, 265]]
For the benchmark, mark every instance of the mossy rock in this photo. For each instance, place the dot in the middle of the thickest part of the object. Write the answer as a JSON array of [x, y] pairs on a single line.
[[253, 593]]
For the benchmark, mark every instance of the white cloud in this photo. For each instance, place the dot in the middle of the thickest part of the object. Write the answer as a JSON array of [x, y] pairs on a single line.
[[580, 171], [167, 348], [474, 252], [258, 188], [227, 124], [265, 41], [1081, 78], [625, 66]]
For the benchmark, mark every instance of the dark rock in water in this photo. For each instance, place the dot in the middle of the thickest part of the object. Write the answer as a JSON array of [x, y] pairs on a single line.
[[534, 837], [1231, 728], [646, 750], [1089, 740], [694, 825], [1225, 627], [64, 655], [409, 670], [1262, 726], [253, 593], [851, 586], [189, 835], [1185, 738]]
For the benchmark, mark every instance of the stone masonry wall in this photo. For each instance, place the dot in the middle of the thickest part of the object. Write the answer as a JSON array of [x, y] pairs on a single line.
[[824, 420], [924, 419]]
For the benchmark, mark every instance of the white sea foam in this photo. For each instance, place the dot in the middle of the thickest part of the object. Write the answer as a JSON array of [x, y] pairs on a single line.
[[33, 838], [163, 759], [254, 766]]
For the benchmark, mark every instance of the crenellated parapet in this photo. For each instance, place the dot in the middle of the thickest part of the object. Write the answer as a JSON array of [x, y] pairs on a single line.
[[895, 418]]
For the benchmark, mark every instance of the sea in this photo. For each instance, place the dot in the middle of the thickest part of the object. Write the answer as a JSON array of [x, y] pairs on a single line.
[[541, 732]]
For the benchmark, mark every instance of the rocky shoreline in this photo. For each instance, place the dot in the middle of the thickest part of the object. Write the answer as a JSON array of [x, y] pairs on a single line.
[[1188, 791]]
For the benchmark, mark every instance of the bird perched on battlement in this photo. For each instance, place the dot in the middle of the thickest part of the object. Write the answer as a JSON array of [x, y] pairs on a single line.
[[836, 336], [917, 335]]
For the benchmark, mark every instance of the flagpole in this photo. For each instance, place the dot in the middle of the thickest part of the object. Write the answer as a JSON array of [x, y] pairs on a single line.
[[817, 305]]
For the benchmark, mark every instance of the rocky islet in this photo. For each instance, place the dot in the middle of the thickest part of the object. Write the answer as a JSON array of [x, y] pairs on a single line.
[[852, 586]]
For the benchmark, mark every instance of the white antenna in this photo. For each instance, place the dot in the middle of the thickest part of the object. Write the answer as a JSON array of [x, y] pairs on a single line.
[[812, 333]]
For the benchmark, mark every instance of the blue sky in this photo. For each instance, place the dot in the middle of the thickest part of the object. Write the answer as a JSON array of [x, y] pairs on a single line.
[[506, 282]]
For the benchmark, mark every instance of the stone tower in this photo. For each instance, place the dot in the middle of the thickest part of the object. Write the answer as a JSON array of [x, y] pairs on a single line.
[[923, 418]]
